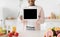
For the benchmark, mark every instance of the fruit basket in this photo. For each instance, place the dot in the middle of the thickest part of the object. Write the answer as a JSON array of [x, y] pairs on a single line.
[[52, 32]]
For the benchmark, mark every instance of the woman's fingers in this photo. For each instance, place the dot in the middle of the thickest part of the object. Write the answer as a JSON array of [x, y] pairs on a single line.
[[24, 22], [37, 25], [21, 17]]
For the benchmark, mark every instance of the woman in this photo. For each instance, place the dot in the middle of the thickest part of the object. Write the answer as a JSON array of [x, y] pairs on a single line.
[[40, 13]]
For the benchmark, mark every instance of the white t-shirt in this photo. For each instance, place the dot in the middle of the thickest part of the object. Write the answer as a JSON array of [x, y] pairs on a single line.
[[31, 22]]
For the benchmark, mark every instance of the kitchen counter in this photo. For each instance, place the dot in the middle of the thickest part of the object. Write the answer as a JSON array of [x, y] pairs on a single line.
[[28, 33], [31, 33], [20, 29]]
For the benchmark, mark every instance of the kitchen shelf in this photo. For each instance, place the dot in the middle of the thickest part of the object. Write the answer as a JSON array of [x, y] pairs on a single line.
[[52, 20], [46, 20]]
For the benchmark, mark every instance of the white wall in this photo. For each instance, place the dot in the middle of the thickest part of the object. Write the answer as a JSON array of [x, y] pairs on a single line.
[[13, 6], [48, 6], [9, 7]]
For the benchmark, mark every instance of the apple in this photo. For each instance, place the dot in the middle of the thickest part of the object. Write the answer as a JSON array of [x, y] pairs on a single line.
[[58, 35], [10, 34], [13, 33], [16, 34]]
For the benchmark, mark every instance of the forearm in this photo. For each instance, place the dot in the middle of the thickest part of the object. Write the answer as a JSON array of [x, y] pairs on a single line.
[[23, 20], [41, 16], [41, 20]]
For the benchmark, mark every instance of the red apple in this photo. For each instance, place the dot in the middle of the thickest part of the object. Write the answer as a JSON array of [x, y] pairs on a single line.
[[13, 33], [16, 34], [10, 34], [58, 35]]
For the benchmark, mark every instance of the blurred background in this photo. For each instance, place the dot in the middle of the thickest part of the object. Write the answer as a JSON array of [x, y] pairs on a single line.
[[48, 6], [11, 8]]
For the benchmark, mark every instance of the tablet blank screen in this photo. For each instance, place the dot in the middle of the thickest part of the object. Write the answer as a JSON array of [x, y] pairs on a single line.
[[30, 13]]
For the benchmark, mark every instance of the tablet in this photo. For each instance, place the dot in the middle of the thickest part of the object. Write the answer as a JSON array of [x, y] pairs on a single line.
[[30, 13]]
